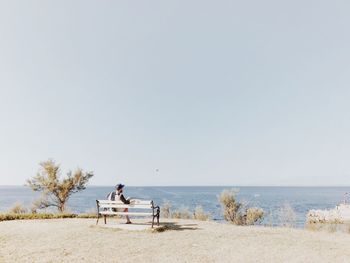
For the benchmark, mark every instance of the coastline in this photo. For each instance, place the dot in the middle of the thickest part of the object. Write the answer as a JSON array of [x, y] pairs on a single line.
[[270, 199], [80, 240]]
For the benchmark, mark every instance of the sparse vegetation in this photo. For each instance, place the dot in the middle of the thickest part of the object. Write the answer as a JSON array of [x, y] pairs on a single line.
[[165, 210], [12, 216], [199, 214], [237, 212], [269, 218], [287, 216], [329, 227], [18, 208], [182, 213], [56, 192], [91, 210]]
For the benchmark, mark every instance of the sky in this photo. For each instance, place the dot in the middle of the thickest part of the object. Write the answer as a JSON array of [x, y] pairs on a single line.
[[177, 92]]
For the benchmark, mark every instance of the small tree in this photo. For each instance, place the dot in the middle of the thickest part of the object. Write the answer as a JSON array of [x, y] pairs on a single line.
[[56, 191]]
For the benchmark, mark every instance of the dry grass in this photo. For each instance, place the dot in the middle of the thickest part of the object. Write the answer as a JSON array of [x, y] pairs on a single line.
[[92, 210], [165, 210], [199, 214], [12, 216], [330, 227], [182, 213], [269, 219], [287, 216], [18, 208]]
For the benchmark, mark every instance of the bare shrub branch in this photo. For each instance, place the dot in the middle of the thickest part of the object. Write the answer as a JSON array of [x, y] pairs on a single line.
[[287, 216]]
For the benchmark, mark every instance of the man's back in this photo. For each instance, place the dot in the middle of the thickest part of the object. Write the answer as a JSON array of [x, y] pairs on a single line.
[[111, 196]]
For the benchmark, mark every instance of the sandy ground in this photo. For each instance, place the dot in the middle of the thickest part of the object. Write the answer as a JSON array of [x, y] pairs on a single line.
[[79, 240]]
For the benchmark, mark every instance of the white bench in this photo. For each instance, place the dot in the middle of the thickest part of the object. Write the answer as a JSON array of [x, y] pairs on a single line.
[[136, 208]]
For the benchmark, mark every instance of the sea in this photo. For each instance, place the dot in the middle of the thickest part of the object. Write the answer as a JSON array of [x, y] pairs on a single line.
[[271, 199]]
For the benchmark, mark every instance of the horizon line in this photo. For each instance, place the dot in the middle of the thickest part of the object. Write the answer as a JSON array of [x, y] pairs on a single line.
[[112, 185]]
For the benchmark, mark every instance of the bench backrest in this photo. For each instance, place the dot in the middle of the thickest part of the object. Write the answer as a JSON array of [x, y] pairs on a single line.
[[139, 204]]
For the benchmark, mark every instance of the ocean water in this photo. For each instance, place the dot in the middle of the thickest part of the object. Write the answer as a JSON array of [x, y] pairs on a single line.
[[271, 199]]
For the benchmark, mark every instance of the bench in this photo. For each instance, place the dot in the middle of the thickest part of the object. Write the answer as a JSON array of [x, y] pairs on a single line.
[[137, 208]]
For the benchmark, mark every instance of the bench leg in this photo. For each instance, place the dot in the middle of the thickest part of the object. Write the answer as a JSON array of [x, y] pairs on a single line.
[[105, 218], [98, 217], [158, 215]]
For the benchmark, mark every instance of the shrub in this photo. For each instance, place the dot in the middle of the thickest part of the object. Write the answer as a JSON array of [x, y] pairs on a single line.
[[231, 208], [254, 215], [18, 208], [165, 210], [237, 212], [199, 214], [287, 216]]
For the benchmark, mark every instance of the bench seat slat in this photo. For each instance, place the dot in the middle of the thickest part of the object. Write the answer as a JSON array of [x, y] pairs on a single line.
[[125, 206], [137, 202], [125, 213]]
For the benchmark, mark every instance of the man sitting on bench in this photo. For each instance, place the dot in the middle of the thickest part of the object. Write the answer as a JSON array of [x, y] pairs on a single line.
[[117, 195]]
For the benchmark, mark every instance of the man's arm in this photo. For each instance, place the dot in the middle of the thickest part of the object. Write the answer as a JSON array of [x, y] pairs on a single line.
[[122, 198]]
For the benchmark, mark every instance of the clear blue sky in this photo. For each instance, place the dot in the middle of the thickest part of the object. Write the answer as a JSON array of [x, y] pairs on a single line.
[[208, 92]]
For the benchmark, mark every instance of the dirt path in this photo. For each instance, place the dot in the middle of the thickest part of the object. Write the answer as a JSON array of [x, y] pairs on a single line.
[[79, 240]]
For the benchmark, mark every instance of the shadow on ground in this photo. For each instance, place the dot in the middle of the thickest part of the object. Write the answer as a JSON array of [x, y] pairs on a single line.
[[138, 226], [173, 226]]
